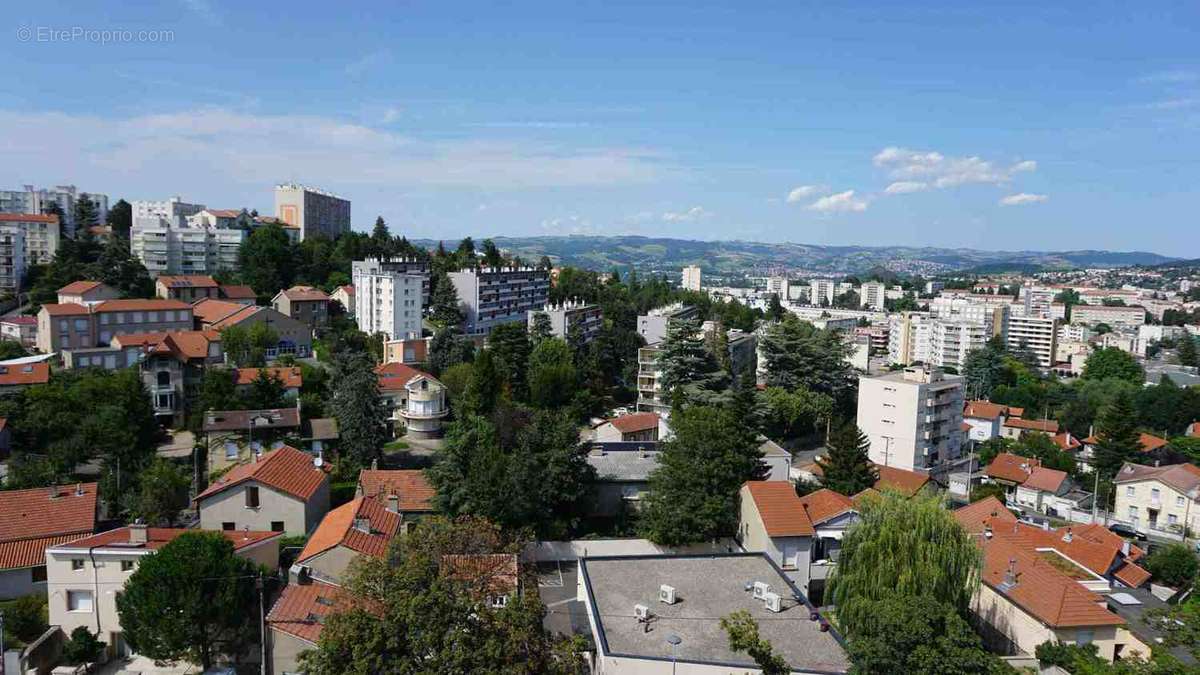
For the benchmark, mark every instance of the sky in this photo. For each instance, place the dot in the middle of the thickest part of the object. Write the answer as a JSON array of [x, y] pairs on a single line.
[[1016, 125]]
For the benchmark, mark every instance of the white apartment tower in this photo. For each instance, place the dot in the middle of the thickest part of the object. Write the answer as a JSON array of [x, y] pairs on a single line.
[[490, 296], [314, 211], [388, 302], [40, 235], [12, 258], [912, 418], [36, 200], [872, 294], [1037, 333], [162, 239], [779, 286], [951, 341], [909, 338], [822, 291], [691, 278]]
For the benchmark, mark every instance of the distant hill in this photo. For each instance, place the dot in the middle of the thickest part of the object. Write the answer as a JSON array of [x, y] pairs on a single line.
[[732, 257]]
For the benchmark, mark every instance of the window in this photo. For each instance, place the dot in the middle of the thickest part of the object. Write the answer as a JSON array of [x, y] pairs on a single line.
[[164, 378], [498, 601], [227, 526], [1178, 501], [79, 601], [1129, 491], [252, 497], [126, 565], [76, 564], [1084, 636], [277, 526], [1133, 512], [1154, 494], [1173, 519], [37, 574]]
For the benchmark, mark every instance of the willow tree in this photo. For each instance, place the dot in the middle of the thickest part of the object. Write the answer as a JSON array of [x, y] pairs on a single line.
[[902, 547]]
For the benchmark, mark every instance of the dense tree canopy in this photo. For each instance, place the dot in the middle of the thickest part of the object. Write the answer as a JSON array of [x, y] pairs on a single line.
[[800, 356], [1111, 362], [845, 467], [360, 413]]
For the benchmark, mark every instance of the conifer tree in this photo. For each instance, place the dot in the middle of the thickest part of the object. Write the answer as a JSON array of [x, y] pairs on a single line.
[[1117, 437], [846, 468]]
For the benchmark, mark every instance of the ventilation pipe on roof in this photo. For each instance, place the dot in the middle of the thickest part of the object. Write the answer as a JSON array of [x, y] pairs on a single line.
[[393, 503], [1067, 537]]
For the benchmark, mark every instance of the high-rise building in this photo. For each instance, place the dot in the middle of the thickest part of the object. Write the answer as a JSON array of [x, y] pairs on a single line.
[[652, 326], [909, 338], [398, 266], [387, 302], [691, 278], [1039, 334], [314, 211], [569, 316], [822, 291], [872, 294], [951, 341], [912, 418], [36, 200], [40, 235], [173, 212], [166, 249], [491, 296], [12, 258], [1112, 316], [779, 286]]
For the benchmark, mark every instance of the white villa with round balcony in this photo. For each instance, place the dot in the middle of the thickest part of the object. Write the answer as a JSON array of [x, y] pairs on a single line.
[[416, 400]]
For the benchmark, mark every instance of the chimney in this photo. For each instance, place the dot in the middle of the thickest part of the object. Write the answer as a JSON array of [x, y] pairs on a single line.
[[53, 492], [245, 532], [1046, 525], [375, 465], [1010, 575], [138, 533], [79, 489], [393, 503], [1067, 537], [1125, 548]]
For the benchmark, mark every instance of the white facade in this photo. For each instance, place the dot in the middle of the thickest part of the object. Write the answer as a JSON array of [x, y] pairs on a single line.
[[314, 211], [165, 249], [912, 418], [388, 303], [171, 212], [491, 296], [951, 341], [872, 294], [12, 257], [909, 336], [779, 286], [40, 235], [37, 200], [822, 291], [1113, 316], [1037, 333], [691, 278]]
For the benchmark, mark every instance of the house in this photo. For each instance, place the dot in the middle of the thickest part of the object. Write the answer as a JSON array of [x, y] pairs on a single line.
[[242, 295], [294, 337], [362, 526], [1157, 450], [1042, 484], [35, 520], [1010, 470], [622, 476], [308, 305], [777, 459], [15, 377], [64, 327], [985, 419], [633, 428], [344, 296], [233, 436], [290, 377], [493, 578], [321, 434], [408, 351], [907, 483], [186, 287], [689, 594], [1162, 499], [1015, 427], [416, 400], [297, 618], [19, 329], [86, 293], [85, 575], [284, 490], [413, 492], [171, 364]]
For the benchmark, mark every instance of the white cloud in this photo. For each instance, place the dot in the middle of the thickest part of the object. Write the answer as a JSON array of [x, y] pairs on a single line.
[[390, 114], [941, 171], [840, 202], [693, 214], [904, 187], [802, 192], [1022, 198], [215, 154]]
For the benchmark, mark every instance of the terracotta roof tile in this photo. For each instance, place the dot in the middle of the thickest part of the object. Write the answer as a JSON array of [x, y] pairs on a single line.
[[304, 294], [781, 512], [140, 305], [1151, 442], [23, 374], [1046, 480], [224, 213], [410, 485], [22, 553], [33, 519], [210, 310], [1045, 426], [238, 292], [187, 281], [985, 410], [1009, 467], [977, 516], [901, 480], [492, 573], [1066, 441], [289, 376], [27, 218], [185, 344], [825, 504], [77, 287], [287, 470], [393, 376], [629, 424], [157, 537], [64, 309], [338, 528], [1131, 575], [301, 609], [20, 320]]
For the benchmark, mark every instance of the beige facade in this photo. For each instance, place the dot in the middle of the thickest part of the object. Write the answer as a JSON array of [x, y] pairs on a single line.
[[277, 511], [1153, 504], [285, 652], [77, 327], [791, 554], [913, 418]]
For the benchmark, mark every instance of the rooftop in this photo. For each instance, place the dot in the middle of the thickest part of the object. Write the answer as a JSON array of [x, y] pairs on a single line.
[[635, 422], [707, 588], [1009, 467], [1047, 426], [1182, 477], [393, 376], [624, 462], [187, 281], [40, 517], [240, 420], [304, 294], [77, 287], [157, 537], [287, 470], [363, 525], [289, 376], [21, 374], [410, 485], [301, 609]]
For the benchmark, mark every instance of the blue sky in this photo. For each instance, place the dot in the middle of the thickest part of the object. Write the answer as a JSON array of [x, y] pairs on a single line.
[[1026, 126]]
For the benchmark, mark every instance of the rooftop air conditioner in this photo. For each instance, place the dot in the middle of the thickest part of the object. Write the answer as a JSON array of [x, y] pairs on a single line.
[[773, 602], [642, 612], [666, 594], [761, 588]]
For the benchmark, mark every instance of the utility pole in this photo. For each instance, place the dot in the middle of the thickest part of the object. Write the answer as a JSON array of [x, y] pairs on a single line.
[[262, 622]]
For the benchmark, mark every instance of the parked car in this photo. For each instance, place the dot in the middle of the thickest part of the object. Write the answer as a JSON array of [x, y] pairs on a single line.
[[1126, 531]]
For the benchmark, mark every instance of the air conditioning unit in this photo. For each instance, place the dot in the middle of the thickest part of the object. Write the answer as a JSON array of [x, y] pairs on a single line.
[[666, 594], [773, 602], [761, 588], [642, 612]]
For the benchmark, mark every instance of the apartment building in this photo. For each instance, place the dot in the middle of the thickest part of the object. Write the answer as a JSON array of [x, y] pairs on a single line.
[[1112, 316], [166, 248], [415, 266], [315, 212], [1158, 498], [491, 296], [951, 341], [569, 316], [990, 315], [40, 235], [12, 258], [691, 278], [224, 219], [822, 291], [651, 397], [308, 305], [872, 294], [68, 326], [1038, 333], [21, 329], [909, 336], [779, 286], [389, 298], [653, 325], [172, 212], [913, 418], [1038, 300], [36, 200]]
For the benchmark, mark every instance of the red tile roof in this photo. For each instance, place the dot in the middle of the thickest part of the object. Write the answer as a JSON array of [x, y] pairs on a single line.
[[64, 309], [27, 218], [977, 516], [33, 519], [23, 374], [1151, 442], [1046, 480], [779, 508], [1010, 467], [157, 537], [304, 294], [338, 528], [901, 480], [393, 376], [492, 573], [825, 504], [20, 320], [224, 213], [630, 424], [410, 485], [1045, 426], [1066, 441], [188, 281], [1182, 477], [238, 292], [140, 305], [985, 410], [1131, 575], [287, 470], [183, 344], [211, 311], [77, 287], [289, 376], [301, 609], [1100, 534]]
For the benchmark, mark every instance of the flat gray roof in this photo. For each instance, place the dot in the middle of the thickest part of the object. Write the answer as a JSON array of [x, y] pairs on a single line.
[[708, 588]]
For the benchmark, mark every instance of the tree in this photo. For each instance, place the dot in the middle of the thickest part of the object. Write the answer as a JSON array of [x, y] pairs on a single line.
[[491, 254], [10, 349], [265, 392], [86, 213], [792, 414], [120, 219], [1069, 298], [1173, 565], [982, 371], [483, 389], [902, 546], [694, 490], [82, 647], [190, 600], [742, 630], [541, 328], [525, 470], [552, 375], [799, 355], [266, 261], [918, 634], [380, 234], [1186, 351], [509, 345], [447, 348], [682, 357], [246, 346], [443, 302], [161, 494], [985, 490], [846, 468], [361, 416], [1112, 362], [414, 614], [775, 310], [1117, 438]]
